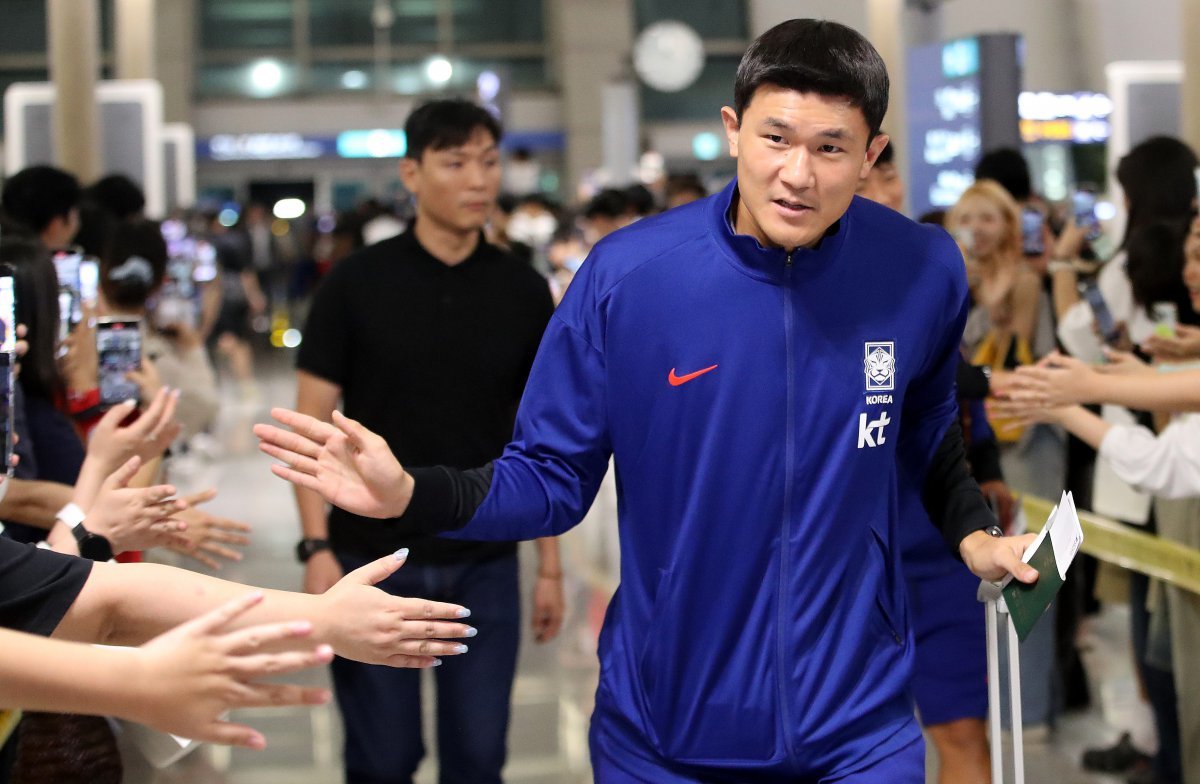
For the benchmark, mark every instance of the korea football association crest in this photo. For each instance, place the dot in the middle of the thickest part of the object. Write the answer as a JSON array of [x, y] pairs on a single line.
[[879, 365]]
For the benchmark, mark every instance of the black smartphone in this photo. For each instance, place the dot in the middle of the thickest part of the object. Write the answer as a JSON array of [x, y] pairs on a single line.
[[79, 278], [1100, 313], [8, 364], [119, 351], [8, 310], [8, 360], [1083, 208], [1033, 239]]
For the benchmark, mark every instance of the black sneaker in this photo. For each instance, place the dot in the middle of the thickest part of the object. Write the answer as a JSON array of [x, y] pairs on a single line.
[[1118, 758]]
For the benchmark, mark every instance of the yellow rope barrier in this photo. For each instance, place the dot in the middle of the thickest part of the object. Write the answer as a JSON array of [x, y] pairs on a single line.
[[1111, 541]]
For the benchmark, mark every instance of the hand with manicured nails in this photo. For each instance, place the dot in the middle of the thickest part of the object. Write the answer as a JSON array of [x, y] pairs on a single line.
[[184, 680], [369, 625], [207, 536], [135, 518], [344, 462]]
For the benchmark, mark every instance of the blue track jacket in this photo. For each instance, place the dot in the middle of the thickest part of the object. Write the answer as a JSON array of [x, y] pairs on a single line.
[[757, 404]]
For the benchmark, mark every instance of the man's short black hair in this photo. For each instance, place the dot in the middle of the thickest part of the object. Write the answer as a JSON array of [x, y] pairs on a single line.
[[1008, 167], [816, 56], [118, 195], [608, 203], [639, 200], [39, 194], [440, 124]]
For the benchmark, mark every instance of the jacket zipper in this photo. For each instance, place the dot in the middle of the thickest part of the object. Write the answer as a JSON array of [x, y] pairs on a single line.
[[785, 533]]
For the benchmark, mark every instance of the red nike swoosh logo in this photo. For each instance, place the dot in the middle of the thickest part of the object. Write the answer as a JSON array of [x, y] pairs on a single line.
[[680, 380]]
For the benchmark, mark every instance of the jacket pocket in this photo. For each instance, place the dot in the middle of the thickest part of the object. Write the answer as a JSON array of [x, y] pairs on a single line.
[[707, 672], [886, 615]]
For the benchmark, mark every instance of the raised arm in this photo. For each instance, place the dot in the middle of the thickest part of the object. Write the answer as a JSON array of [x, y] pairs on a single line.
[[182, 682], [128, 604]]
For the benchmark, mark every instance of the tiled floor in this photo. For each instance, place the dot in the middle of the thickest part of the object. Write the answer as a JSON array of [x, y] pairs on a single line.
[[555, 682]]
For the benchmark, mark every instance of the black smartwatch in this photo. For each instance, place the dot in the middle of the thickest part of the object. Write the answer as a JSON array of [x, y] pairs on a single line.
[[307, 548], [93, 547]]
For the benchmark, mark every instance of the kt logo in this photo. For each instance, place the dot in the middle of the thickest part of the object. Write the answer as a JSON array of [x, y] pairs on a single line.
[[870, 433]]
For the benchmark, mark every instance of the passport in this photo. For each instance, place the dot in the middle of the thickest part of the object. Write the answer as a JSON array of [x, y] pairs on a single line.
[[1027, 603], [1051, 554]]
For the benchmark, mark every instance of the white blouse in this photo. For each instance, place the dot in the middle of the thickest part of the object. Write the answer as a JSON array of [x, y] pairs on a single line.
[[1166, 465]]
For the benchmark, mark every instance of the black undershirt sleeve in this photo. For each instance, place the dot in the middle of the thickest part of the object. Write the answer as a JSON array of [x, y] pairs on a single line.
[[972, 382], [951, 497], [984, 459], [445, 499]]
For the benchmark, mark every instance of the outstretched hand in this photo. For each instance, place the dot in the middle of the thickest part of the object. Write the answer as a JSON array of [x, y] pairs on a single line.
[[372, 626], [187, 679], [1057, 380], [207, 537], [346, 464]]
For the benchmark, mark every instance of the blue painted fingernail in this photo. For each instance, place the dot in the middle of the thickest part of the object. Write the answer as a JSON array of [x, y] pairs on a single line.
[[471, 631], [437, 662], [400, 554], [462, 612], [460, 648]]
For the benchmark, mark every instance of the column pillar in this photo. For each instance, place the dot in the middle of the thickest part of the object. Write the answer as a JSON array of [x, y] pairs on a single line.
[[73, 28], [591, 42], [134, 38], [1190, 89]]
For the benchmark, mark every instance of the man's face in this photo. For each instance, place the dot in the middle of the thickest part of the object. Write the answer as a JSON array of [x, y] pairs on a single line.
[[61, 230], [883, 185], [456, 187], [800, 158]]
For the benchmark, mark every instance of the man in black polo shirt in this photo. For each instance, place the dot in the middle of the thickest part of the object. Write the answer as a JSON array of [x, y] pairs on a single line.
[[427, 338]]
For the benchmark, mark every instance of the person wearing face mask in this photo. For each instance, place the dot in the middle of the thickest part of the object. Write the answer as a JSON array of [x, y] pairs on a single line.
[[533, 223]]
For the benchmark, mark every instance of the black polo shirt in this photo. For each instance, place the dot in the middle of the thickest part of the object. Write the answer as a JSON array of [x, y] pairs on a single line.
[[433, 358], [37, 587]]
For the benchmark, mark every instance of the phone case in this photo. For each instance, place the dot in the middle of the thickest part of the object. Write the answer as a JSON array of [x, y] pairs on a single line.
[[998, 619]]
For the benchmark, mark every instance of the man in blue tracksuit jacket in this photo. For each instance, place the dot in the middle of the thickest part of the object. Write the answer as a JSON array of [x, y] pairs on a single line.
[[759, 363]]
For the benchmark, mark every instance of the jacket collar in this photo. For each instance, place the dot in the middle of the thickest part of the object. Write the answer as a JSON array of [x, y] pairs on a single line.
[[768, 264]]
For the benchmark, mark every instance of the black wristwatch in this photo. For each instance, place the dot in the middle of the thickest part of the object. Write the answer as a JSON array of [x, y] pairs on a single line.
[[307, 548], [93, 547], [993, 530]]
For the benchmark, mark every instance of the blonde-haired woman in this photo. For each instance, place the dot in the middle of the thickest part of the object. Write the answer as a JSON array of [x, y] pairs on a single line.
[[1003, 333], [987, 223]]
